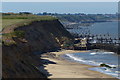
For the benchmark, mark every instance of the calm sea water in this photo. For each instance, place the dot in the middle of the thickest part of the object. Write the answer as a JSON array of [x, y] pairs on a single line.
[[96, 58], [99, 29]]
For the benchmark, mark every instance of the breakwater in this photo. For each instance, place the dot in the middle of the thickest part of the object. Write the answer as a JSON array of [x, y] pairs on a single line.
[[102, 35], [88, 42], [108, 47]]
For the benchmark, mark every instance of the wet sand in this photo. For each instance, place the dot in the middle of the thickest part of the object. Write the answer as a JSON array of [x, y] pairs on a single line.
[[61, 68]]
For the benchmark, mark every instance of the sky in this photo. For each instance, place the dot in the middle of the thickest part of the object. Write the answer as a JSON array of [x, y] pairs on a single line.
[[60, 0], [61, 7]]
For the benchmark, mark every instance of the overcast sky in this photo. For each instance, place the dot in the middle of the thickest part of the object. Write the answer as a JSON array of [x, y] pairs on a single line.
[[61, 7]]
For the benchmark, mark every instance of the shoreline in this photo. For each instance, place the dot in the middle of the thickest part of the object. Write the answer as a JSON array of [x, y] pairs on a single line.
[[62, 68]]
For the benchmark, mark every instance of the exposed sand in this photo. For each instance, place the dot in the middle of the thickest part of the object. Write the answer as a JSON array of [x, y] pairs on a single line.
[[66, 69]]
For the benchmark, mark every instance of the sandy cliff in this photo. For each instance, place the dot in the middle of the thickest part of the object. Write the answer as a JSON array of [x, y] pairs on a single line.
[[40, 36]]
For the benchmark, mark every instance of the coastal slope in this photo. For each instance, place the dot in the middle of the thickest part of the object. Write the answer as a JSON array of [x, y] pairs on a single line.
[[19, 60]]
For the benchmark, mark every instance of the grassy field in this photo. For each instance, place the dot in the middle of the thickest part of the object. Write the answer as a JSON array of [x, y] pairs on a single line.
[[9, 22]]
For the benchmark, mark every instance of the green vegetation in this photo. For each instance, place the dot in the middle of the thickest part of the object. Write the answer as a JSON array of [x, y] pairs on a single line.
[[86, 17], [7, 37], [19, 34], [10, 21], [28, 16], [66, 42], [22, 19]]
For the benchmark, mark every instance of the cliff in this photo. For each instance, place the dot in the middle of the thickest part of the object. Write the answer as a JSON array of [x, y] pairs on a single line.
[[19, 60]]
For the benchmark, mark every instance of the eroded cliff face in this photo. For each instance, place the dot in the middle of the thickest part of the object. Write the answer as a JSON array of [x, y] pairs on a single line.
[[40, 36]]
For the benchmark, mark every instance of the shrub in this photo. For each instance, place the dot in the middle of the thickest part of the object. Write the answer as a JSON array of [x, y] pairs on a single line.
[[19, 34]]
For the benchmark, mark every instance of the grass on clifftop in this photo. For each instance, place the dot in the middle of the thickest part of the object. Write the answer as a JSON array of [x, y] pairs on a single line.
[[10, 21], [19, 20]]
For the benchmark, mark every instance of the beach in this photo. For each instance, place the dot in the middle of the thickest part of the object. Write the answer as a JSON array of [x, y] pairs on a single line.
[[58, 67]]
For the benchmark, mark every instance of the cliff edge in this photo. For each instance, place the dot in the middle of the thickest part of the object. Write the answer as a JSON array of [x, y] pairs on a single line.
[[19, 60]]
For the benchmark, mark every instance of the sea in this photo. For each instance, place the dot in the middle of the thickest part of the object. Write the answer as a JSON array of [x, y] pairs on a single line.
[[101, 28], [95, 58]]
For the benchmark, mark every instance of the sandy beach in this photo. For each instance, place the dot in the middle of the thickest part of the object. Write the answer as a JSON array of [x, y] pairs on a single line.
[[61, 68]]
